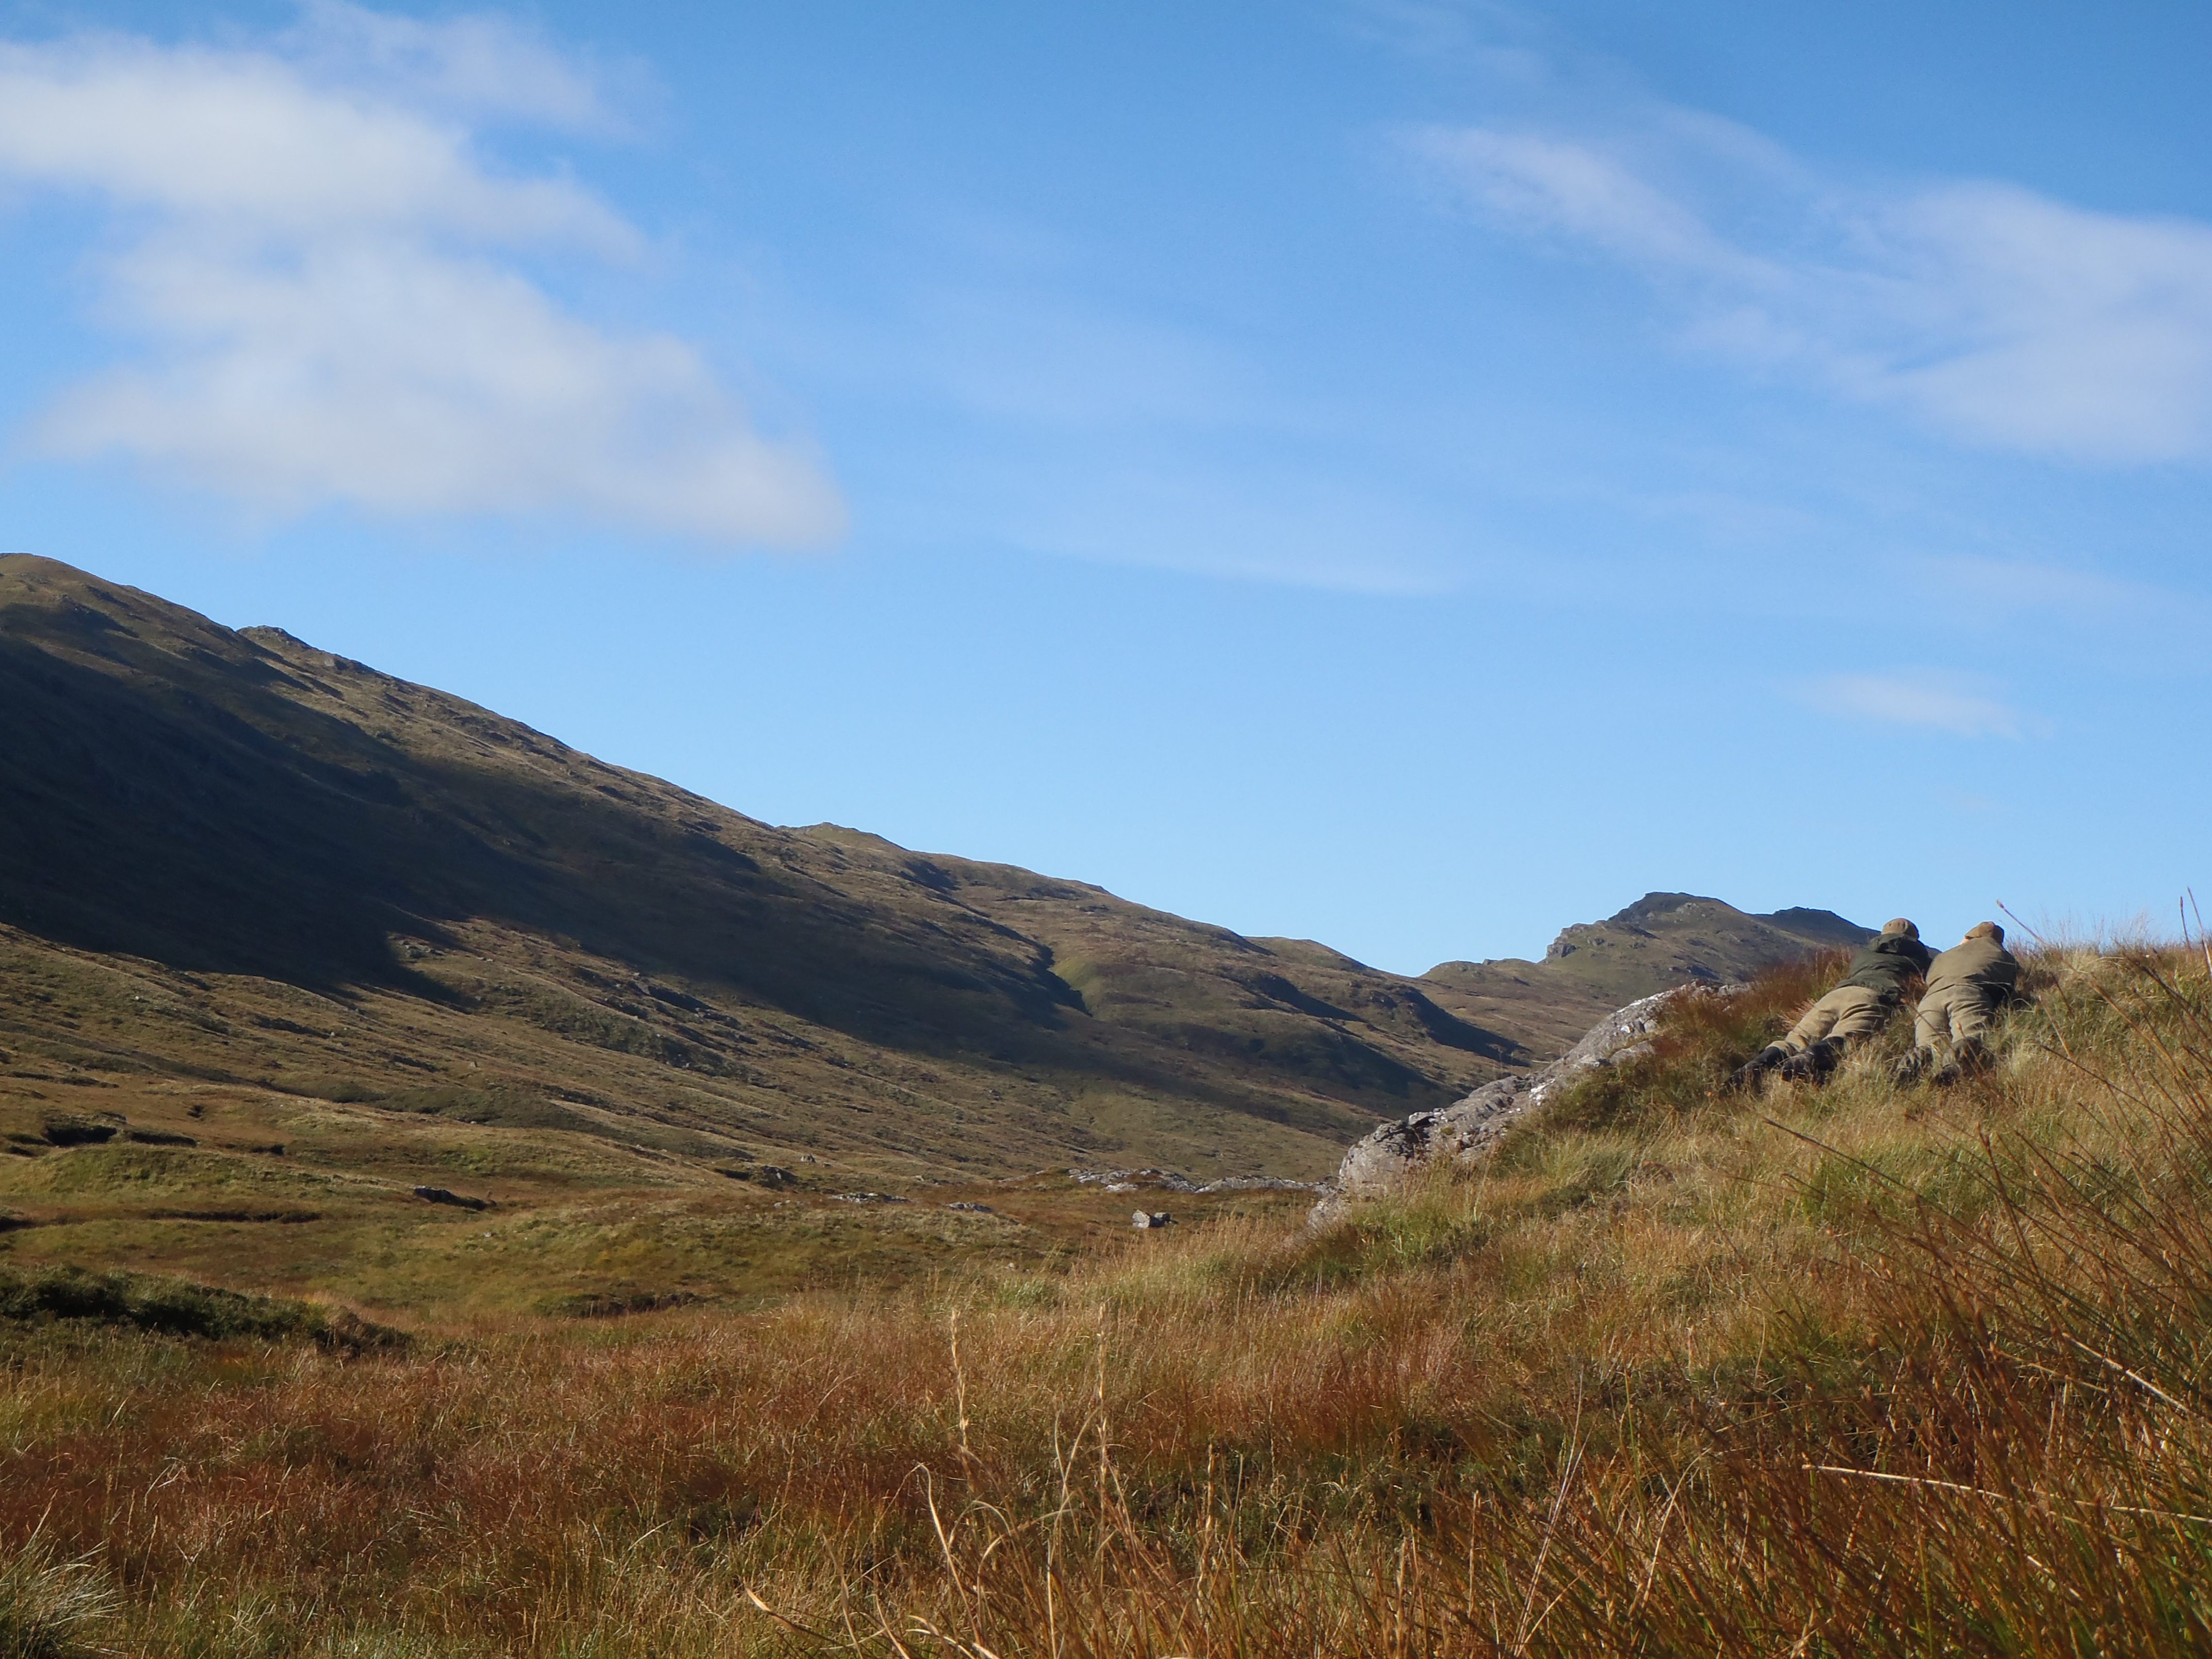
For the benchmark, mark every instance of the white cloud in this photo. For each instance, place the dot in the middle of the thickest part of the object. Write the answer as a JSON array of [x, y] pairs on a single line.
[[483, 65], [327, 277], [2006, 317], [243, 145], [1927, 699], [1571, 191], [2054, 328]]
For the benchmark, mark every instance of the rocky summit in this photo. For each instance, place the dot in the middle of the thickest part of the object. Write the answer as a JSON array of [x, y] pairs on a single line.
[[1662, 940]]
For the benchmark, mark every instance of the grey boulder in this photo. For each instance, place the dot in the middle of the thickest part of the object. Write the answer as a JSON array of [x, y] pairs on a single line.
[[1468, 1128]]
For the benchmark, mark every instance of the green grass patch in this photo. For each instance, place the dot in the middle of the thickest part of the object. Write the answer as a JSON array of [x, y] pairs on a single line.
[[173, 1307]]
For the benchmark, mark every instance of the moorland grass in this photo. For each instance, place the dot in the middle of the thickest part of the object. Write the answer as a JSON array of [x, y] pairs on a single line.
[[1679, 1371], [49, 1607]]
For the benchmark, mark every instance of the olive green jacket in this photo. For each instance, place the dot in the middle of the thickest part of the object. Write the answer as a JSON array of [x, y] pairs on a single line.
[[1886, 965]]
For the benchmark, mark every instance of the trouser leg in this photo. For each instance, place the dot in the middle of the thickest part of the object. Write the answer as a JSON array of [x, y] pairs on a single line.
[[1931, 1021], [1972, 1016], [1931, 1036], [1859, 1014], [1850, 1014], [1973, 1012], [1817, 1021]]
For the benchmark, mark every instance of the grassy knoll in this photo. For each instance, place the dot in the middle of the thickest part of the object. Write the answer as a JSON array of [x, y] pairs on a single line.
[[1854, 1370]]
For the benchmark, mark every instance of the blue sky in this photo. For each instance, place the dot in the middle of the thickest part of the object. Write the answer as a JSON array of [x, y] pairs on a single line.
[[1406, 475]]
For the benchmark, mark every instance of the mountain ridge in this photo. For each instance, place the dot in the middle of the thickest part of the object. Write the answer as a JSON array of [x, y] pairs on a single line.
[[242, 803], [239, 803]]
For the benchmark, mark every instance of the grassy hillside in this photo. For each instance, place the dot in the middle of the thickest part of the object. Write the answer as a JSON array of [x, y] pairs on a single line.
[[1850, 1370], [237, 864]]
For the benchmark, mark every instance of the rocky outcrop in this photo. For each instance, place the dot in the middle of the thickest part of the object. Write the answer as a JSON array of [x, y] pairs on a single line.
[[1468, 1128]]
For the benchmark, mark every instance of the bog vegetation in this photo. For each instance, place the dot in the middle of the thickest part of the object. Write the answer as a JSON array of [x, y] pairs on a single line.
[[1857, 1370]]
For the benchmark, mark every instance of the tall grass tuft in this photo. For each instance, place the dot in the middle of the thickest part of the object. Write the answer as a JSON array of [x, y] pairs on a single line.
[[50, 1609]]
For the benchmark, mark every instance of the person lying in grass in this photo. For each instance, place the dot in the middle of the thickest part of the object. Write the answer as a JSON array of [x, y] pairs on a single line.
[[1872, 989], [1968, 986]]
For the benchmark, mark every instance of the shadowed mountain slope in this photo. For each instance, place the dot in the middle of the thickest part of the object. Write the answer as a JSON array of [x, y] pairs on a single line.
[[229, 855]]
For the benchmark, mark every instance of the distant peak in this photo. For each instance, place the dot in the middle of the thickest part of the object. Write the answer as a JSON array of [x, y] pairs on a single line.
[[38, 564], [841, 835], [1662, 904]]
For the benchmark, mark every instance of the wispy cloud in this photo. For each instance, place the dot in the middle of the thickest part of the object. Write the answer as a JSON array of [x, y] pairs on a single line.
[[1929, 699], [2005, 588], [327, 284], [2007, 318], [1576, 193], [470, 65]]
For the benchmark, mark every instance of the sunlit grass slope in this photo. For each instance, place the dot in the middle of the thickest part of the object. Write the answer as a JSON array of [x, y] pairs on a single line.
[[1851, 1372]]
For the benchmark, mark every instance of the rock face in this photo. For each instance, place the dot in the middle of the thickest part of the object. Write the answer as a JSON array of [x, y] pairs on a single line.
[[1470, 1128]]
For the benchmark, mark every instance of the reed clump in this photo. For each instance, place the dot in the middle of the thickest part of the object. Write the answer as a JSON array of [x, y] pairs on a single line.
[[1859, 1370], [49, 1606]]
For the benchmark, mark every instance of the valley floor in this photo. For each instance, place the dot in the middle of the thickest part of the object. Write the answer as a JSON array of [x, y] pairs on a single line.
[[1679, 1371]]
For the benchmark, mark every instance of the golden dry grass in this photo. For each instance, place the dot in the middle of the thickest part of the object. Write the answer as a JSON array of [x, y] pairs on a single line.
[[1858, 1371]]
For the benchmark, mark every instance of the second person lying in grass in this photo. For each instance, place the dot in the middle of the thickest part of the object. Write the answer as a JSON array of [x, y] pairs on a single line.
[[1971, 984], [1872, 989]]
